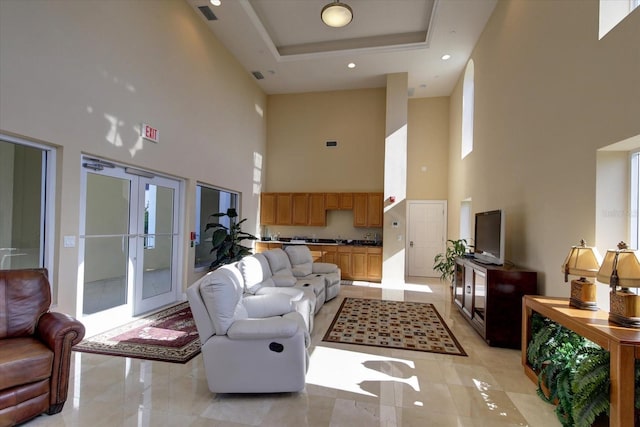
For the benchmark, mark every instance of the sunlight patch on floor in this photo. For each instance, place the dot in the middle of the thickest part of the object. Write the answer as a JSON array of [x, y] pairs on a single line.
[[415, 287], [351, 371]]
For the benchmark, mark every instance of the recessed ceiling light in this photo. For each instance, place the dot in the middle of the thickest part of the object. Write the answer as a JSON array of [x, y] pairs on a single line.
[[215, 2], [445, 57], [351, 65]]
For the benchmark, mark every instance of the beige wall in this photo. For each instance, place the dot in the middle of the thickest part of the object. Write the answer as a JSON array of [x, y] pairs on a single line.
[[298, 126], [73, 73], [548, 94], [428, 148]]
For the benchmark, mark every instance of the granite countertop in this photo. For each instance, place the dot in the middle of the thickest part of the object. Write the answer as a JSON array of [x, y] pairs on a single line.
[[304, 241]]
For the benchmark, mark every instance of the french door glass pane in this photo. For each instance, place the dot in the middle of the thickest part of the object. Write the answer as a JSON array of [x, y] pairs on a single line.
[[106, 251], [21, 209], [158, 236]]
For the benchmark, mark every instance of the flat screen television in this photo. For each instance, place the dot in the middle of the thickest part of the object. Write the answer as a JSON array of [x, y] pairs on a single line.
[[489, 237]]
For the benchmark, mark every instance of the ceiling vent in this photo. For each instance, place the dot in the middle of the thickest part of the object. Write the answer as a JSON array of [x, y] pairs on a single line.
[[258, 75], [208, 13]]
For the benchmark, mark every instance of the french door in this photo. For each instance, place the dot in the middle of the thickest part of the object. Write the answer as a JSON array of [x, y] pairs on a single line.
[[128, 243]]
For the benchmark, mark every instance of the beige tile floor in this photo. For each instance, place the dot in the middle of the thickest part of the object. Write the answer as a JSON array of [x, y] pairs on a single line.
[[346, 385]]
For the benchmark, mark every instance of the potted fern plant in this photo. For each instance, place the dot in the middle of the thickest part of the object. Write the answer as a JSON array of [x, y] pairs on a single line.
[[225, 241]]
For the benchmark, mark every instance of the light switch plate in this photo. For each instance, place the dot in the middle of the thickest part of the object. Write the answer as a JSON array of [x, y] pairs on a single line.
[[69, 241]]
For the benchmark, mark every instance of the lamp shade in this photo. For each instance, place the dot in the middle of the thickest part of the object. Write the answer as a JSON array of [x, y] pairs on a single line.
[[582, 260], [624, 262], [336, 14]]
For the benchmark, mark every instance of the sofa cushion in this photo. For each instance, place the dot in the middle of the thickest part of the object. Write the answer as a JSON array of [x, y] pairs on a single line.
[[255, 272], [22, 361], [221, 293]]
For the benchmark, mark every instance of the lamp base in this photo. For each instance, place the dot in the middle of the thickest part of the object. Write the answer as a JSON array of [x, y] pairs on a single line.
[[624, 309], [583, 295]]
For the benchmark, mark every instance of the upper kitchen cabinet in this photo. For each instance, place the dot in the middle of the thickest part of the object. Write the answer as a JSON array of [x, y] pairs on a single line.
[[367, 210], [268, 208], [300, 209], [374, 209], [283, 208], [317, 209], [338, 201]]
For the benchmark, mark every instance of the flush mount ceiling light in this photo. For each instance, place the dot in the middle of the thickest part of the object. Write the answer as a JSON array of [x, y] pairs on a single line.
[[336, 14]]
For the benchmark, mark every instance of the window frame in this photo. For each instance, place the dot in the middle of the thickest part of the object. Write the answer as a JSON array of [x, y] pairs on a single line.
[[199, 222], [47, 196]]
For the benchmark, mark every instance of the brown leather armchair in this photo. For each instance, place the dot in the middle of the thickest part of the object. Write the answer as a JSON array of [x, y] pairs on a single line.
[[35, 347]]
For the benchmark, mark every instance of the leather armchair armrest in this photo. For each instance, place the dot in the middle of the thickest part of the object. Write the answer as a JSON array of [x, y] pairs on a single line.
[[60, 333], [323, 268]]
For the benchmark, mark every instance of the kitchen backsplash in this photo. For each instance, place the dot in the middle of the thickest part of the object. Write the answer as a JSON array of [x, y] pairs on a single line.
[[339, 224]]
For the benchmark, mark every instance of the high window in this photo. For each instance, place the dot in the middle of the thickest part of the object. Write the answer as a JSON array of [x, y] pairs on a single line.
[[612, 12], [467, 110], [634, 201], [210, 200]]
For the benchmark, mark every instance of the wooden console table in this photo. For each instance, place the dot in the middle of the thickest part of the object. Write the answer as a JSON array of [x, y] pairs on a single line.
[[622, 343]]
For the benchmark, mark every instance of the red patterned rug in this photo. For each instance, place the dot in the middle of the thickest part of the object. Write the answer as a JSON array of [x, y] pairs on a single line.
[[392, 324], [168, 336]]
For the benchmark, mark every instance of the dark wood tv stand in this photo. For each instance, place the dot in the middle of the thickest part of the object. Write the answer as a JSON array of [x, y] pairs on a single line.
[[490, 299]]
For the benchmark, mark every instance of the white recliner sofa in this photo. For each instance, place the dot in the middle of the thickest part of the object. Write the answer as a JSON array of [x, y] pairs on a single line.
[[282, 274], [250, 344], [258, 280], [304, 267]]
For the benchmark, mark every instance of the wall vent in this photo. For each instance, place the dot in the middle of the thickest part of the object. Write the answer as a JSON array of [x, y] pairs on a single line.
[[258, 75], [208, 13], [331, 143]]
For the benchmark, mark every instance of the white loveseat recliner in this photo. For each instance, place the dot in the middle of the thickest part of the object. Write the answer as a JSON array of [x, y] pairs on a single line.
[[282, 274], [304, 267], [258, 280], [250, 344]]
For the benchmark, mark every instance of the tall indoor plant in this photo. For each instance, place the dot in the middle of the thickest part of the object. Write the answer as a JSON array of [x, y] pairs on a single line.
[[225, 241], [445, 263]]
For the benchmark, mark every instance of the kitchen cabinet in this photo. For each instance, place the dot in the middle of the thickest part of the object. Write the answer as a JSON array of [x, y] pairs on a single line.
[[330, 254], [283, 208], [374, 209], [344, 261], [317, 210], [359, 262], [265, 246], [332, 201], [268, 208], [374, 264], [367, 209], [360, 209], [299, 209], [346, 201], [339, 201]]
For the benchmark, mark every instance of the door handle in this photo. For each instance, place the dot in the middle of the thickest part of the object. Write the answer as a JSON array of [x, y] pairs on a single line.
[[411, 243]]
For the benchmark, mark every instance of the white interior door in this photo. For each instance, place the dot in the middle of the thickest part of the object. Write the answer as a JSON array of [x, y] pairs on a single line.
[[426, 230]]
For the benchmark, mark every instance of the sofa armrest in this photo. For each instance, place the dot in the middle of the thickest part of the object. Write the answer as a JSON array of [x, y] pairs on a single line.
[[60, 333], [323, 268], [268, 328], [261, 306]]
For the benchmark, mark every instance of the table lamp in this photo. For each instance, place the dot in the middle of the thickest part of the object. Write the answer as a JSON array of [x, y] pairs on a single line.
[[583, 261], [621, 270]]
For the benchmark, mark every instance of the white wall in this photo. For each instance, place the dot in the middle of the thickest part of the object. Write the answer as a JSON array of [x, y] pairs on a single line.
[[82, 75]]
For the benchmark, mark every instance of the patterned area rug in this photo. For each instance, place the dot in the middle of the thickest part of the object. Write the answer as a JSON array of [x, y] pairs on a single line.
[[168, 336], [392, 324]]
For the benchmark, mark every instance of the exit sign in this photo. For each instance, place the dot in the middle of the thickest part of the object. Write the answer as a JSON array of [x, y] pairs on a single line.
[[150, 133]]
